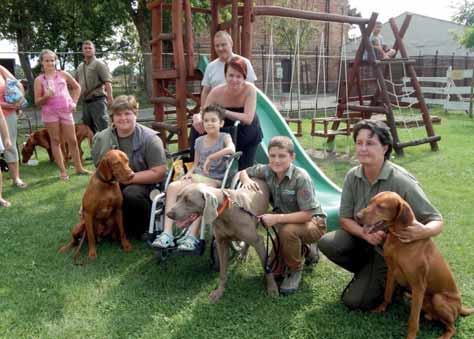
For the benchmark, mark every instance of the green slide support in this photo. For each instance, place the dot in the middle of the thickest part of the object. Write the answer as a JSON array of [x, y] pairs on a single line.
[[273, 124]]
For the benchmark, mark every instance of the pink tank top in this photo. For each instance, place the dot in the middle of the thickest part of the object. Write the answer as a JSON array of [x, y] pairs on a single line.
[[61, 101]]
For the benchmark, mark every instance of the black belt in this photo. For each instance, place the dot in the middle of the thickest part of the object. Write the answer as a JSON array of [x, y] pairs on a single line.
[[93, 99]]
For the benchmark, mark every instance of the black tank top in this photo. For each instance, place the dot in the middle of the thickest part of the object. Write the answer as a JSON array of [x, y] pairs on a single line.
[[247, 135]]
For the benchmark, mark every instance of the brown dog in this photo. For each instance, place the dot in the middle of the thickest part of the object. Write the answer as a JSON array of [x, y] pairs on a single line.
[[230, 222], [417, 265], [41, 138], [101, 214]]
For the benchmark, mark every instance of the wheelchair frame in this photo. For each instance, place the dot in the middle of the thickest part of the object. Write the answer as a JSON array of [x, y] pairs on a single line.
[[156, 224]]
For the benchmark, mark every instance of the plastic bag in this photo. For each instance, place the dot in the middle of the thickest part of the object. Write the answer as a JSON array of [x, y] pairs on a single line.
[[13, 94]]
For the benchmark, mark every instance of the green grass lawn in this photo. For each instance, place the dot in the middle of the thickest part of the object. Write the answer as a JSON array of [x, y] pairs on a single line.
[[128, 295]]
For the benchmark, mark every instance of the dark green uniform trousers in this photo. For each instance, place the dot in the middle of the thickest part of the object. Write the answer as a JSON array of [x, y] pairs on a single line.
[[366, 289]]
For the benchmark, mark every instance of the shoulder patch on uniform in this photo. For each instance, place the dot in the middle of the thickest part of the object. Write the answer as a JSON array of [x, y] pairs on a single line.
[[304, 194]]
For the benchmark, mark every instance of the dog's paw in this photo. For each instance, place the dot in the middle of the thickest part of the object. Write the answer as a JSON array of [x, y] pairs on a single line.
[[272, 288], [215, 295], [127, 247], [92, 255]]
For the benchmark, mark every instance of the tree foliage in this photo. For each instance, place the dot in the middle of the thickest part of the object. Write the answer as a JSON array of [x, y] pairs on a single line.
[[285, 30], [465, 16]]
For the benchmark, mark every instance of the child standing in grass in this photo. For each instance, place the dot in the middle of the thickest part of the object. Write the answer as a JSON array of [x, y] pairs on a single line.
[[57, 105], [4, 144], [209, 168]]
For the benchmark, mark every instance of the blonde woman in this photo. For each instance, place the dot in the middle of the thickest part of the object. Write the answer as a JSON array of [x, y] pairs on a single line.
[[9, 112]]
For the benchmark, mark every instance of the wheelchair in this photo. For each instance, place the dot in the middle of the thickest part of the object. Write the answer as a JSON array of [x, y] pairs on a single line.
[[157, 216]]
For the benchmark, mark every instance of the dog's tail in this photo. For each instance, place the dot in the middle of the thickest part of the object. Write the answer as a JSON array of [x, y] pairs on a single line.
[[466, 311]]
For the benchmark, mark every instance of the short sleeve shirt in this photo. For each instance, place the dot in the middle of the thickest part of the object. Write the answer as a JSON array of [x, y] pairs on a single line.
[[91, 75], [293, 194], [214, 74], [357, 192], [154, 154]]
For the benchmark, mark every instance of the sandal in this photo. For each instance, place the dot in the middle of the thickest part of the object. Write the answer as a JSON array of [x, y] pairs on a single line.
[[64, 177], [188, 243], [164, 240], [19, 183], [4, 203]]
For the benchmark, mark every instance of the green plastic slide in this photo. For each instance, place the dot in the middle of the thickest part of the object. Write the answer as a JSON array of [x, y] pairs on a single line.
[[273, 124]]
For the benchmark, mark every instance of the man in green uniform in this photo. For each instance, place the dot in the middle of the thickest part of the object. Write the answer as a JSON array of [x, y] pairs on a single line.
[[96, 89]]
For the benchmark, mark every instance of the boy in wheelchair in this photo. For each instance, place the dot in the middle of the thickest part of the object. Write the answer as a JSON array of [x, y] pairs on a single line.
[[209, 168]]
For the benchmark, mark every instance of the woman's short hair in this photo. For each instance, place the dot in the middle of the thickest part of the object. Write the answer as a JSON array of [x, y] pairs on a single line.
[[218, 109], [238, 64], [283, 143], [123, 102], [378, 128]]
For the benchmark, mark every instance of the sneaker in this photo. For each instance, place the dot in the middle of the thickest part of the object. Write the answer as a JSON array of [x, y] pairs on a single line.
[[290, 283], [163, 240], [188, 243], [312, 257]]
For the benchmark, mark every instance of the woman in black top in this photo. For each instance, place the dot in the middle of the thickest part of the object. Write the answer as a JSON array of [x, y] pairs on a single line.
[[239, 97]]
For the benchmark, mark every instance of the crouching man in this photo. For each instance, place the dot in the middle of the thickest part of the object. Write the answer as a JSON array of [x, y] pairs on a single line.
[[297, 214]]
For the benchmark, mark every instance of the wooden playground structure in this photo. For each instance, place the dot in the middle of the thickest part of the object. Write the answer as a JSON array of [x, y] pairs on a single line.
[[243, 12]]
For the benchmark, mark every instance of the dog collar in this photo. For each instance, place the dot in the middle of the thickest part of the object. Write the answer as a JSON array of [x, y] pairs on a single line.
[[225, 204], [101, 178]]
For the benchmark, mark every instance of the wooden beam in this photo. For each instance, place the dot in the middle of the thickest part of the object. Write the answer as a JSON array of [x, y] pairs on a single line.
[[246, 39], [214, 26], [235, 23], [416, 85], [193, 9], [180, 65], [308, 15], [190, 65], [383, 89], [354, 70]]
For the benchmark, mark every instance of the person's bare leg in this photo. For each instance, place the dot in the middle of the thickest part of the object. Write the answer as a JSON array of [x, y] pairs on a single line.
[[3, 202], [14, 170], [171, 195], [69, 136], [55, 137]]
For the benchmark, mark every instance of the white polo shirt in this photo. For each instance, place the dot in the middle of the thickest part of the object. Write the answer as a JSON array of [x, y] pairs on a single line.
[[214, 74]]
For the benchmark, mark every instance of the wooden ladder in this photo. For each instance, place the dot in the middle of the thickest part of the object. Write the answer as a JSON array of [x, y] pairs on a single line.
[[182, 70]]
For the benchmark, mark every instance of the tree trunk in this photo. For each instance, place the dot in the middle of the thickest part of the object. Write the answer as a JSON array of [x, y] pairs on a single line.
[[23, 44], [143, 28]]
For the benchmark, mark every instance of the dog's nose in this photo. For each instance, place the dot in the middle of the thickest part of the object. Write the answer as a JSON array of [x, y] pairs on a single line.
[[171, 215]]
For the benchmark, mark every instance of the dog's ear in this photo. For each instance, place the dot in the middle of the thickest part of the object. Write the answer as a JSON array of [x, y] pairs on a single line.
[[210, 206], [105, 169], [405, 214]]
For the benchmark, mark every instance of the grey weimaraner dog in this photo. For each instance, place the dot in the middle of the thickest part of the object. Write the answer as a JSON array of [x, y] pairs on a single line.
[[230, 222]]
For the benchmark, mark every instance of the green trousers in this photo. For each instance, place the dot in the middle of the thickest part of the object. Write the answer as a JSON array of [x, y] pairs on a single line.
[[366, 289]]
